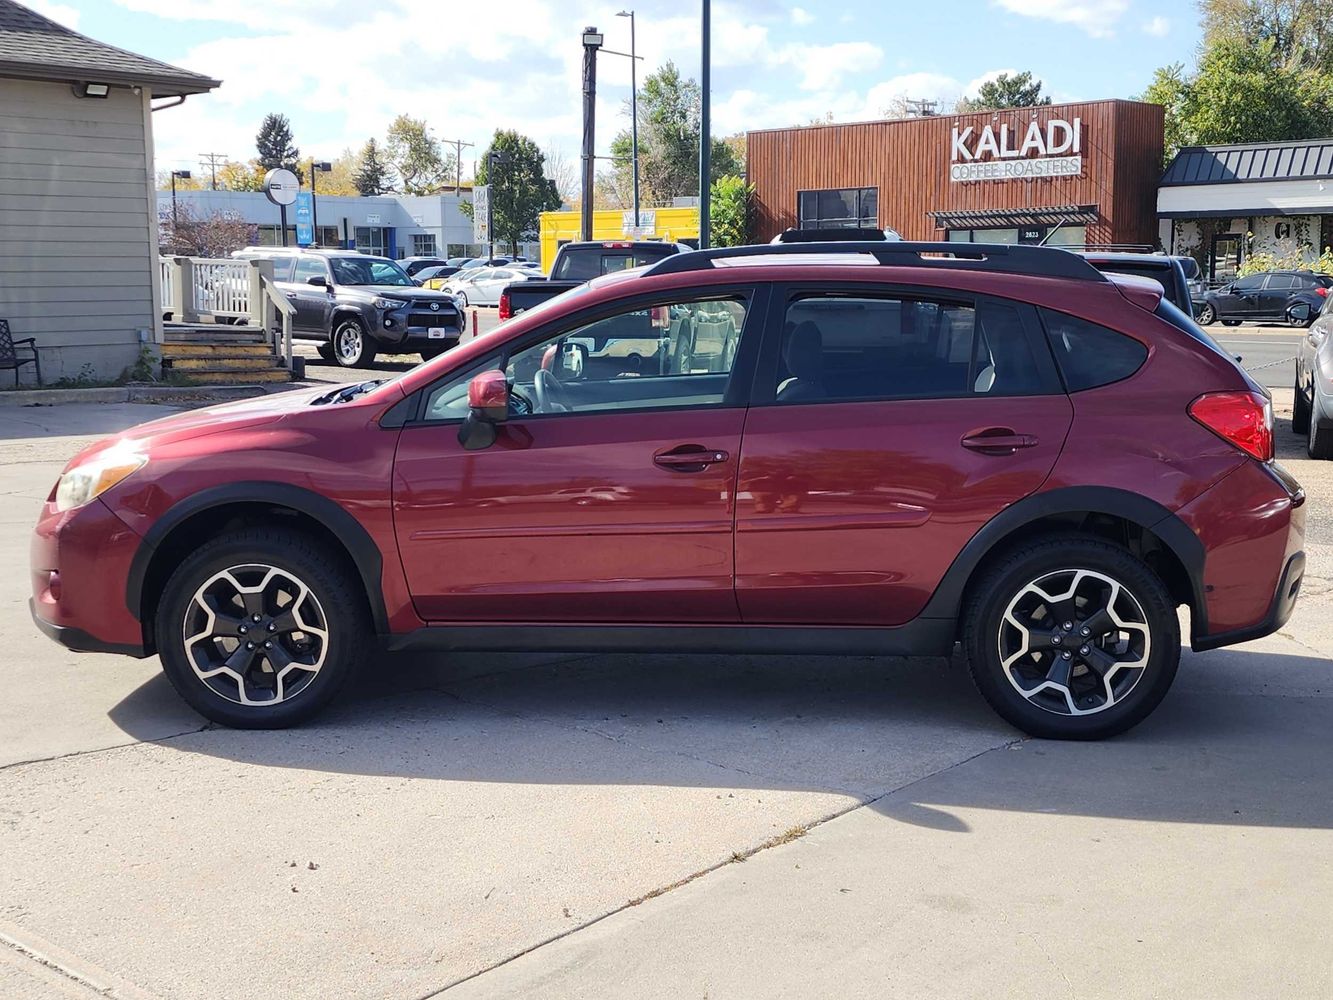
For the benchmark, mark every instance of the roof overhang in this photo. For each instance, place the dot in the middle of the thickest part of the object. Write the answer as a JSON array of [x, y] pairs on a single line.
[[161, 86], [983, 218], [1289, 197]]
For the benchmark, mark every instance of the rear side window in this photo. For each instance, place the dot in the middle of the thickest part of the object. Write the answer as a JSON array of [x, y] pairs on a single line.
[[1088, 354], [1283, 281], [587, 263]]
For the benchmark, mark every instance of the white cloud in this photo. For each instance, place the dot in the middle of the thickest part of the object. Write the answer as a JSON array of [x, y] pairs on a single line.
[[823, 66], [58, 12], [1158, 27], [1097, 18], [801, 17]]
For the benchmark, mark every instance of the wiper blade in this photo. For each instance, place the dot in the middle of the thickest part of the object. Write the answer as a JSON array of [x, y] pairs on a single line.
[[346, 392]]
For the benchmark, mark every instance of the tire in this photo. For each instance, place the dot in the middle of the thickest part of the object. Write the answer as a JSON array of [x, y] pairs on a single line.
[[431, 353], [1300, 410], [462, 300], [351, 347], [1318, 440], [1231, 322], [1207, 315], [325, 351], [1089, 569], [326, 626]]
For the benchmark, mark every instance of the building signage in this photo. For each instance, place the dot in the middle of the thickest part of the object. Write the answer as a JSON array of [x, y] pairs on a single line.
[[481, 213], [372, 220], [647, 222], [305, 219], [280, 186], [1011, 152]]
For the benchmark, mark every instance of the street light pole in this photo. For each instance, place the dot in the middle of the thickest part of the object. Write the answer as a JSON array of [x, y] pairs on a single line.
[[175, 220], [634, 112], [705, 138], [493, 157], [316, 167], [592, 41]]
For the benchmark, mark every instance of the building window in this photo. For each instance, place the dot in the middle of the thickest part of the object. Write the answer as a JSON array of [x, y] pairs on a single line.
[[327, 236], [423, 244], [844, 208], [372, 240], [271, 236], [1065, 236]]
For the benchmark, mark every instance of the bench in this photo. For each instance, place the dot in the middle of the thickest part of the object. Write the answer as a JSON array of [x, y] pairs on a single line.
[[9, 356]]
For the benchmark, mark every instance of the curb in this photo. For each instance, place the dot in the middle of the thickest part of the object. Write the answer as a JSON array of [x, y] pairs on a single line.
[[133, 394]]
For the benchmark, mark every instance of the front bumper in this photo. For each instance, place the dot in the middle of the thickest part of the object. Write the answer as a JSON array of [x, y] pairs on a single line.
[[80, 641], [418, 326]]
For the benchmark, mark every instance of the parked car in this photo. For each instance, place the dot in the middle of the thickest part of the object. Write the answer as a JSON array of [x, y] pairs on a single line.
[[1268, 295], [1312, 408], [481, 286], [842, 234], [486, 262], [1197, 285], [434, 277], [576, 263], [413, 265], [1167, 272], [828, 458], [357, 306], [458, 261]]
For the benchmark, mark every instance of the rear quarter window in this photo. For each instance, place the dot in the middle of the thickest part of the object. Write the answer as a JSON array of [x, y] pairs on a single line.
[[1089, 354]]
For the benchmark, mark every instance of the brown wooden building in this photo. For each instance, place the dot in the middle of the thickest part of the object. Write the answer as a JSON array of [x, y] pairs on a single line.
[[1066, 173]]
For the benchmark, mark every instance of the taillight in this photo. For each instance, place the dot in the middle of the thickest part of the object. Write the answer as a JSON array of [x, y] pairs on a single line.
[[1321, 291], [1245, 419], [506, 310]]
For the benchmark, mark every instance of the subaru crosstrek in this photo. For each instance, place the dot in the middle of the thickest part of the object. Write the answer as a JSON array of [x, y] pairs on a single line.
[[878, 448]]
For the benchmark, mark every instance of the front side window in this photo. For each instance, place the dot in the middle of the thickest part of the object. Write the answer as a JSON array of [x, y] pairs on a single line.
[[368, 271], [666, 356], [309, 267], [843, 208], [845, 347], [1252, 283]]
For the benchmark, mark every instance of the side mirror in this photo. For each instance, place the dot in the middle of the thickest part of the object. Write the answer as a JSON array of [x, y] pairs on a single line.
[[318, 280], [1300, 312], [418, 282], [488, 405]]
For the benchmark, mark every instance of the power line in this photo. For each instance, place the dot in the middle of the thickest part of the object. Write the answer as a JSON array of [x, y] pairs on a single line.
[[211, 162], [458, 145]]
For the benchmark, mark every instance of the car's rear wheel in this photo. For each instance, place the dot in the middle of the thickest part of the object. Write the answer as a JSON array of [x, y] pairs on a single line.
[[1300, 410], [351, 347], [1231, 322], [259, 628], [1072, 638], [1207, 314]]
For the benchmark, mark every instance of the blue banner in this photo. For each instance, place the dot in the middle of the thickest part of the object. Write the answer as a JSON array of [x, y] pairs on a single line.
[[305, 219]]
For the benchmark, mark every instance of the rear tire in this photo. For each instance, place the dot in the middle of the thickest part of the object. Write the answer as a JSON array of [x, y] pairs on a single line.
[[1231, 322], [260, 628], [1300, 411], [1207, 315], [1077, 686]]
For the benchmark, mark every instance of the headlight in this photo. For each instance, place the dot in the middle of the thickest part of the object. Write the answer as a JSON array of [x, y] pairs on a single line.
[[387, 303], [87, 482]]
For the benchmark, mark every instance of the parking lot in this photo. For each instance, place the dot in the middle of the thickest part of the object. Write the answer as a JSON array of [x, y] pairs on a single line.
[[571, 826]]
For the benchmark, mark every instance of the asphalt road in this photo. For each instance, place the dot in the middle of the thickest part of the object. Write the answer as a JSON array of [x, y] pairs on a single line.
[[656, 825], [1267, 354]]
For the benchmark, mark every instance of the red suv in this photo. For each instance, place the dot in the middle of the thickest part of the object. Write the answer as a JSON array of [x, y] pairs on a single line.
[[879, 448]]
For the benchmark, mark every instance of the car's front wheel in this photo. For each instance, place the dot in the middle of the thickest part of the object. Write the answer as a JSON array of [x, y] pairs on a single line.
[[1072, 638], [259, 628], [352, 348], [1207, 314]]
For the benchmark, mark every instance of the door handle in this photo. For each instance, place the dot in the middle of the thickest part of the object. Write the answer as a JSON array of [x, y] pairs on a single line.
[[689, 458], [997, 441], [291, 295]]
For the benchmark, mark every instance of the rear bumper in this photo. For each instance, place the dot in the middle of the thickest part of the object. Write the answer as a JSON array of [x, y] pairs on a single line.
[[1284, 601]]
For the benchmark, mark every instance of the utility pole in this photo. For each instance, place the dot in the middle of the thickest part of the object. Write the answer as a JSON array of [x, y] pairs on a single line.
[[458, 145], [634, 113], [922, 108], [705, 136], [592, 41], [211, 162]]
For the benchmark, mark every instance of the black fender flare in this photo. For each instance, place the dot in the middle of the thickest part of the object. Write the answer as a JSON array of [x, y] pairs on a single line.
[[347, 529], [947, 600]]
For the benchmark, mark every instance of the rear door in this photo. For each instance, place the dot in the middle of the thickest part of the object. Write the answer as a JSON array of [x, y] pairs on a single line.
[[1277, 293], [888, 425]]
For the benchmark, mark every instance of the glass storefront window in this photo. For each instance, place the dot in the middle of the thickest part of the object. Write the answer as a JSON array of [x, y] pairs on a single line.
[[372, 240], [1065, 236], [844, 208]]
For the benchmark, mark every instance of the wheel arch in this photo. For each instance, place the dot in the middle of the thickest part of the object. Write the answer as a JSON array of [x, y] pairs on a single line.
[[1143, 525], [178, 531]]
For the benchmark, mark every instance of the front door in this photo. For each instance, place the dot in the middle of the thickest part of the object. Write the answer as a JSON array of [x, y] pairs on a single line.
[[894, 426], [1242, 299], [311, 301], [608, 496]]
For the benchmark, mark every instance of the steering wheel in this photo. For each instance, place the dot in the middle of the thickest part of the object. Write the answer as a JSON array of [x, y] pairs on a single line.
[[550, 394]]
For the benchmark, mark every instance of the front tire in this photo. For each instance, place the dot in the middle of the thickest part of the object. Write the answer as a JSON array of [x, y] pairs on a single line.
[[1072, 638], [352, 348], [260, 628], [462, 300], [1207, 315]]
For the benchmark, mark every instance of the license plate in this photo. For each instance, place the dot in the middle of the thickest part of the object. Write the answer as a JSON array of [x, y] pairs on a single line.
[[436, 334]]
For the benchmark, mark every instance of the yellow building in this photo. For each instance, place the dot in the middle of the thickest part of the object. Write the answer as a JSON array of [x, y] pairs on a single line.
[[671, 225]]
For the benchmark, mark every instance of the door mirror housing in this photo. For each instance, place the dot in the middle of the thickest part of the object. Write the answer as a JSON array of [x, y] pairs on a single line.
[[1300, 312], [488, 406], [318, 280]]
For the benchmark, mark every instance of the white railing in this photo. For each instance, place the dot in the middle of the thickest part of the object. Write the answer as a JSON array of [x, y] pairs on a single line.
[[166, 284], [221, 288]]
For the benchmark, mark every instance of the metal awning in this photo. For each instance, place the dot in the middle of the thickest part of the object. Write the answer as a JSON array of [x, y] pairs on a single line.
[[991, 218]]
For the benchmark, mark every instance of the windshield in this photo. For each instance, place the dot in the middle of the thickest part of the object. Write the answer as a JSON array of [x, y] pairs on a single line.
[[368, 271], [585, 263]]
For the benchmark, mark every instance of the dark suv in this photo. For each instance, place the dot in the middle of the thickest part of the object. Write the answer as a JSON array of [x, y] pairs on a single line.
[[878, 448], [357, 306], [1269, 295]]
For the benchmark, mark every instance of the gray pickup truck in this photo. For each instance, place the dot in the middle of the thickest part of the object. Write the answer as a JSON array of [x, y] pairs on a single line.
[[576, 263]]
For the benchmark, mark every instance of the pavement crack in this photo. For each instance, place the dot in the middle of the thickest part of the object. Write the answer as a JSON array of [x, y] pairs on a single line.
[[96, 750]]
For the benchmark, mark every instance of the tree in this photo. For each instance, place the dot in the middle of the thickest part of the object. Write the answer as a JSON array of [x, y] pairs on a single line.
[[415, 154], [563, 174], [340, 178], [372, 171], [236, 176], [214, 235], [276, 146], [669, 112], [731, 202], [1242, 91], [1019, 90], [1301, 30], [520, 190]]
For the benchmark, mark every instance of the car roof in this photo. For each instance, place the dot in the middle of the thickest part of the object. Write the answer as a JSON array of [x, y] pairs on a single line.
[[1161, 260]]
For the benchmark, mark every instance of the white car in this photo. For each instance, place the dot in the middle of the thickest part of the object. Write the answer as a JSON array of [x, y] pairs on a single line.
[[481, 286]]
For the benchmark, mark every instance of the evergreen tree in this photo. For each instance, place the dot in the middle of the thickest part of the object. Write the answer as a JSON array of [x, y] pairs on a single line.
[[275, 144], [372, 172]]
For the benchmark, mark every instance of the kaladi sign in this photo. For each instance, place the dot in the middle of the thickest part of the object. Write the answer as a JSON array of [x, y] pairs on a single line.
[[1001, 153]]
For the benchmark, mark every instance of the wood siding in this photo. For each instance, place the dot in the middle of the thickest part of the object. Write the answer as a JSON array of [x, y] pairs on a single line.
[[77, 228], [909, 160]]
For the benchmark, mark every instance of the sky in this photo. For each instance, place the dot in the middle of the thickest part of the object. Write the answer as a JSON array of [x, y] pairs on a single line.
[[341, 70]]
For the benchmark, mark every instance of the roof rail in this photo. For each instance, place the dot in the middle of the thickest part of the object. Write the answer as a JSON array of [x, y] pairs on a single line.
[[1047, 262]]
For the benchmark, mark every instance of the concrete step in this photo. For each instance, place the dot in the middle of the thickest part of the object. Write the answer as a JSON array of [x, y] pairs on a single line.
[[231, 350], [200, 337], [243, 362], [234, 376]]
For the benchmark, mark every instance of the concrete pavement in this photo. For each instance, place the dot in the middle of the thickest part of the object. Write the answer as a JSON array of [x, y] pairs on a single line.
[[575, 826]]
